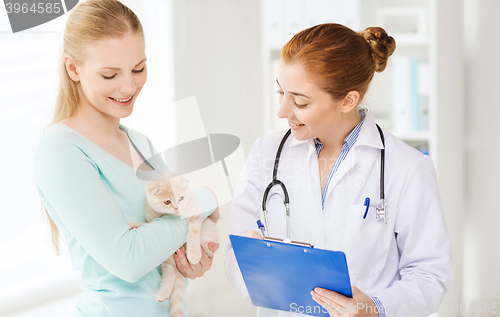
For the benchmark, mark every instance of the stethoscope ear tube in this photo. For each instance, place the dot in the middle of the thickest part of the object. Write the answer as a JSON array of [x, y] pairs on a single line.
[[266, 192], [382, 163], [275, 172], [277, 182], [381, 212], [278, 154]]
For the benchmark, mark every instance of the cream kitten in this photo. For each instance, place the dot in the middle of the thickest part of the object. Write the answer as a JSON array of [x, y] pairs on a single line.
[[175, 197]]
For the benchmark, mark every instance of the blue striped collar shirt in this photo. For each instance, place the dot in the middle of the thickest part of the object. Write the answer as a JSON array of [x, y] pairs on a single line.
[[348, 144]]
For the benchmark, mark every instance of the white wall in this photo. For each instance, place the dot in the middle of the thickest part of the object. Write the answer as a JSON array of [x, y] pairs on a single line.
[[449, 125], [481, 253], [218, 60]]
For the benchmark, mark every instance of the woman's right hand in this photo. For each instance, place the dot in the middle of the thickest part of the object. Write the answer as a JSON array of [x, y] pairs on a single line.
[[254, 234], [193, 271]]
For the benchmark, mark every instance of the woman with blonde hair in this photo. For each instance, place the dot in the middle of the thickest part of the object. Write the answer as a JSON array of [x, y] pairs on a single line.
[[85, 169]]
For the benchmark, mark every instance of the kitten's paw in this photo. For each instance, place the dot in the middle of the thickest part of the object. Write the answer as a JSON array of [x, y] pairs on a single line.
[[134, 225], [161, 298], [207, 250], [163, 295], [194, 254]]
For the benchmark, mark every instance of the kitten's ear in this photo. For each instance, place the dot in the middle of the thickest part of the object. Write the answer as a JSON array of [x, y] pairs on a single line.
[[181, 181], [184, 181], [154, 191], [152, 188]]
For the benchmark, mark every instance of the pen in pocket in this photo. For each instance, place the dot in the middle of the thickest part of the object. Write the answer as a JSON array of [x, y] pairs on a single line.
[[367, 204]]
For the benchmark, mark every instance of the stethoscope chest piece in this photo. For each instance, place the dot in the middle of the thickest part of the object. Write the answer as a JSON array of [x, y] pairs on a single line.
[[382, 212]]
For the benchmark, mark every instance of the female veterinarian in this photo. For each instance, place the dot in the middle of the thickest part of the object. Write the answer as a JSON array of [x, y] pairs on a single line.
[[399, 255], [85, 169]]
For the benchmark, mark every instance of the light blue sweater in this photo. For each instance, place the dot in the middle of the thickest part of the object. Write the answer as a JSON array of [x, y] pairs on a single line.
[[91, 195]]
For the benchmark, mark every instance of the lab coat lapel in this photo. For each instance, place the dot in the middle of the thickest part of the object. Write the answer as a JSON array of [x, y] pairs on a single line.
[[368, 136], [349, 162]]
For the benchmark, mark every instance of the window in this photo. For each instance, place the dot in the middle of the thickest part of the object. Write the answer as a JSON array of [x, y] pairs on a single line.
[[30, 272]]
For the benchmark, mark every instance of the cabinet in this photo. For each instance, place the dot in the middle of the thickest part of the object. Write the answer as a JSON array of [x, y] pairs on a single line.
[[401, 96]]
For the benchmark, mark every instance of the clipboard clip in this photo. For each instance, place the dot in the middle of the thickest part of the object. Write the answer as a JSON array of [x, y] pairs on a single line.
[[288, 241]]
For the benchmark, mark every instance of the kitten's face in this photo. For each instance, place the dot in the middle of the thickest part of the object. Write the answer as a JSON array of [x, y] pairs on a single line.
[[166, 197]]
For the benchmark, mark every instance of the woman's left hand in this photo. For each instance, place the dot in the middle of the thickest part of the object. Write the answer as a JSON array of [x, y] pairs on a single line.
[[193, 271], [339, 305]]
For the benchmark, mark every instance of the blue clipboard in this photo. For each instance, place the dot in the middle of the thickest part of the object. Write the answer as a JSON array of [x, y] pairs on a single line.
[[281, 275]]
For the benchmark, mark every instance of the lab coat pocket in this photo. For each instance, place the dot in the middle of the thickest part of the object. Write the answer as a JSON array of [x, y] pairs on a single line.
[[366, 242]]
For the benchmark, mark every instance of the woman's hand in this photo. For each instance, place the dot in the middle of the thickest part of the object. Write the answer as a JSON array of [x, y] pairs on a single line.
[[193, 271], [254, 234], [185, 267], [338, 305]]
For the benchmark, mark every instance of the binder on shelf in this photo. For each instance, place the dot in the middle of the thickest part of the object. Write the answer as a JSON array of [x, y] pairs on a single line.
[[414, 97], [411, 77], [424, 90], [282, 275], [273, 23], [423, 149], [294, 17], [401, 93]]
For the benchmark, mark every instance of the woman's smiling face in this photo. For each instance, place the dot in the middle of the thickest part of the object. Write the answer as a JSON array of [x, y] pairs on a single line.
[[311, 111], [114, 69]]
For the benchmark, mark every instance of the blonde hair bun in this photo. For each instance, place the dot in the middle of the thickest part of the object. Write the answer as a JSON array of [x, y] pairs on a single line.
[[381, 44]]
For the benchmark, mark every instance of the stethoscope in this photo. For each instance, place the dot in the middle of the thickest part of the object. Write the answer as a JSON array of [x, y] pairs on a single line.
[[380, 212]]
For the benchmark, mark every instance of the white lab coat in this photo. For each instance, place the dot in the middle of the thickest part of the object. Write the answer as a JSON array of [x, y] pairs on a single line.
[[406, 263]]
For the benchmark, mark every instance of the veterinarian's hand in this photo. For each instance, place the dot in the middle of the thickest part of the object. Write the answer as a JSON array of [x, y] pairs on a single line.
[[254, 234], [338, 305], [193, 271]]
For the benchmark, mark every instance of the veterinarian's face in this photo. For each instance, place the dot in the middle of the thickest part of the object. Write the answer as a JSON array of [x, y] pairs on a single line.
[[114, 69], [311, 111]]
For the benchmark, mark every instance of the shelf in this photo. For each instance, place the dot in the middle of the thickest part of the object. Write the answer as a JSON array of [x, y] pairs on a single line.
[[403, 42], [412, 136], [406, 82]]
